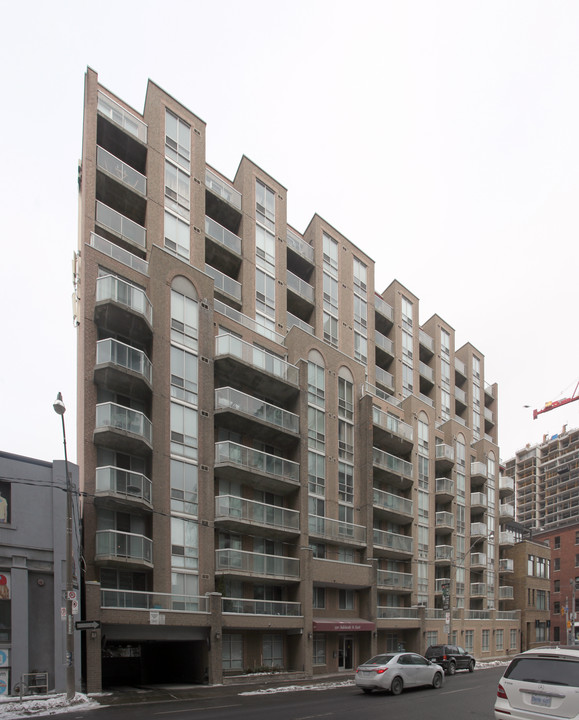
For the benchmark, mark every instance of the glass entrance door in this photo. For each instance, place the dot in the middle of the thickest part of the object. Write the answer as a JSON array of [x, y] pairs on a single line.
[[346, 652]]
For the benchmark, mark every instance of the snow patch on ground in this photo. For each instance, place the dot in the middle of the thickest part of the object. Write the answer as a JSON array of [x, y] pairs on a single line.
[[11, 708]]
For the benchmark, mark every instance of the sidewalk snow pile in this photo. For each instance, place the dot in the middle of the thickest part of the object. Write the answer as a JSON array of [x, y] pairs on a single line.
[[12, 708]]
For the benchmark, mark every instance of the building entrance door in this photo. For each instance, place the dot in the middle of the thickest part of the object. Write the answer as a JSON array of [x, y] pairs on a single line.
[[346, 652]]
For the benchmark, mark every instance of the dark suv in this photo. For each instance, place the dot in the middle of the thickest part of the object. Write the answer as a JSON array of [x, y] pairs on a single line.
[[451, 658]]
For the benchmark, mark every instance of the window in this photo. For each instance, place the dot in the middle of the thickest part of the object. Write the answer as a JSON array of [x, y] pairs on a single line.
[[485, 640], [556, 563], [319, 649], [423, 437], [407, 345], [330, 254], [499, 639], [576, 537], [513, 639], [541, 598], [316, 384], [264, 293], [316, 473], [556, 586], [576, 560], [183, 487], [406, 313], [540, 631], [177, 140], [183, 375], [184, 320], [360, 347], [272, 648], [407, 379], [556, 608], [345, 399], [345, 482], [177, 235], [318, 550], [316, 429], [431, 638], [557, 542], [5, 497], [265, 249], [185, 585], [360, 277], [264, 205], [469, 640], [5, 609], [183, 430], [177, 189], [444, 342], [330, 294], [184, 544], [345, 440], [330, 329], [346, 599], [319, 598], [232, 652]]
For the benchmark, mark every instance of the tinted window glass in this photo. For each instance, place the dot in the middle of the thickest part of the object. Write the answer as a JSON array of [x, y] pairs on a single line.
[[550, 671], [379, 660]]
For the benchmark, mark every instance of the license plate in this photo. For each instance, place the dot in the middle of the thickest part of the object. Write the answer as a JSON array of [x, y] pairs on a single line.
[[542, 700]]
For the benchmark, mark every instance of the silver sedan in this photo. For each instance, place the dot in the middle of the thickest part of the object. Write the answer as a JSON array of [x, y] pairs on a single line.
[[396, 671]]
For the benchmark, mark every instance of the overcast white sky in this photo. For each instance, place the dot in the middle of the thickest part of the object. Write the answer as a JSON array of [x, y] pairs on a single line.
[[451, 128]]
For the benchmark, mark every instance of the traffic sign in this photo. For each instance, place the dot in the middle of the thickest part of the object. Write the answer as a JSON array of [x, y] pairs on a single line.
[[87, 624]]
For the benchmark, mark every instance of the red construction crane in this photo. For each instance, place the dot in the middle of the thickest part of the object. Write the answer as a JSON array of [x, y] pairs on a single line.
[[552, 404]]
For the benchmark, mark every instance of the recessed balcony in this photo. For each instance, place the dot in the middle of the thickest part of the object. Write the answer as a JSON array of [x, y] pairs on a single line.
[[393, 507], [120, 171], [121, 227], [426, 377], [444, 521], [478, 530], [119, 254], [123, 429], [391, 544], [391, 580], [300, 296], [443, 554], [460, 371], [222, 201], [426, 344], [256, 565], [139, 600], [478, 589], [294, 320], [397, 613], [225, 287], [444, 489], [391, 433], [506, 511], [277, 608], [384, 314], [384, 348], [460, 400], [129, 123], [267, 374], [506, 565], [478, 501], [123, 549], [123, 368], [123, 308], [392, 468], [506, 592], [443, 456], [478, 561], [300, 255], [240, 412], [336, 531], [222, 247], [244, 516], [384, 379], [256, 468], [506, 486], [113, 484]]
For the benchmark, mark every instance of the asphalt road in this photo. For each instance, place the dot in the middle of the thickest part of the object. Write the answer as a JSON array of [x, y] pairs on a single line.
[[465, 696]]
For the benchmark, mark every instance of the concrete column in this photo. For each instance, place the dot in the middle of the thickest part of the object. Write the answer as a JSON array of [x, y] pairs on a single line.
[[305, 595], [93, 640], [215, 639]]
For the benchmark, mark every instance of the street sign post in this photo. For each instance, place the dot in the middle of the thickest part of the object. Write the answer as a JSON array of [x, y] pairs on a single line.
[[87, 624]]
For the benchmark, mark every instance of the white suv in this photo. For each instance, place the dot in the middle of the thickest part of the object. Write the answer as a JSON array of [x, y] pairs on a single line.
[[541, 683]]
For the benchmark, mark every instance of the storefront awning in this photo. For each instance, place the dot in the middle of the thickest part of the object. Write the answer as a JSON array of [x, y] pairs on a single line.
[[336, 625]]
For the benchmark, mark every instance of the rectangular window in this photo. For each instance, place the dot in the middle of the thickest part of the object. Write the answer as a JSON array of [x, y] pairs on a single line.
[[183, 431], [557, 542], [316, 473], [5, 497], [513, 639], [177, 189], [469, 640], [346, 599], [272, 648], [360, 277], [265, 249], [444, 342], [319, 598], [330, 249], [177, 235], [183, 487], [183, 375], [345, 482], [577, 537], [406, 313], [407, 379], [499, 640], [316, 384], [345, 399], [316, 429], [556, 563], [330, 294], [345, 440], [177, 140], [319, 649], [264, 293], [330, 329], [184, 320], [556, 586], [431, 637], [360, 347], [264, 205], [232, 652], [184, 544]]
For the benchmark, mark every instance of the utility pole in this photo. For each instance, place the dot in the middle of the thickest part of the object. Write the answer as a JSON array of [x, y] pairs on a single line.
[[60, 409]]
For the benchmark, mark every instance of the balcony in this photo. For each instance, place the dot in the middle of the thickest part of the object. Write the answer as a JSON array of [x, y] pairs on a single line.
[[267, 374], [443, 553], [121, 226], [123, 368], [113, 483], [392, 544], [247, 322], [393, 507], [237, 514], [460, 399], [460, 371], [256, 468], [223, 237], [384, 348], [256, 565], [222, 189], [301, 299], [391, 433], [124, 119], [294, 320], [137, 600], [440, 584], [478, 530], [444, 490], [506, 486], [222, 248], [222, 201], [397, 613], [390, 580], [444, 521], [506, 592], [123, 308], [123, 549], [240, 412], [426, 376], [478, 470], [384, 314], [260, 607], [478, 589], [225, 287], [300, 255], [506, 511], [426, 344], [116, 169], [478, 501], [392, 468], [506, 565], [478, 560], [336, 530], [506, 537], [384, 378], [120, 428], [444, 456], [119, 254]]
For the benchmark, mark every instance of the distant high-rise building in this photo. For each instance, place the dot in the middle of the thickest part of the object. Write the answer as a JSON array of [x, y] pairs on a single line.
[[283, 467]]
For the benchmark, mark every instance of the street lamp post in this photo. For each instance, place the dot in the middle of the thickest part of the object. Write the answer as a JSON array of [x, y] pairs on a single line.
[[60, 409]]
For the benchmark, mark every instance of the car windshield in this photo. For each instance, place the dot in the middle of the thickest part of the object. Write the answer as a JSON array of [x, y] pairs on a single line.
[[436, 650], [379, 660], [550, 671]]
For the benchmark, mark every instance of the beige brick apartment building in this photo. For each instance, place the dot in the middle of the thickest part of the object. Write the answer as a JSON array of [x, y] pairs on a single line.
[[283, 467]]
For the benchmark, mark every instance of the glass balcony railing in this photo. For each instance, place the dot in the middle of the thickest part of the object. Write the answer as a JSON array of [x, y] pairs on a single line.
[[393, 464], [138, 600], [460, 395], [227, 452], [425, 371], [124, 356], [223, 189], [507, 537], [293, 320], [384, 343], [123, 545], [336, 529], [299, 246], [444, 519], [478, 468], [440, 584], [300, 287], [389, 501], [224, 283], [258, 358], [426, 340], [251, 511], [118, 253], [478, 529], [122, 172], [227, 397], [112, 480], [392, 579], [478, 588], [506, 510], [506, 592], [121, 117], [120, 225], [368, 389], [506, 565], [444, 452], [261, 607], [382, 307], [478, 499], [111, 415], [114, 289], [443, 552], [242, 561], [394, 613], [247, 322], [384, 377], [445, 486], [392, 424], [460, 367], [222, 235], [393, 541], [506, 483], [478, 559], [489, 415]]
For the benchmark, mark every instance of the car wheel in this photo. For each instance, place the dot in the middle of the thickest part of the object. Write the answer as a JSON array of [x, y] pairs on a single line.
[[451, 667], [367, 691], [471, 666], [396, 686], [437, 681]]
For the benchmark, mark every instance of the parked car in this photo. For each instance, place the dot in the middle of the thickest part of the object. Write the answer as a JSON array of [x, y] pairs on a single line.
[[396, 671], [541, 683], [451, 658]]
